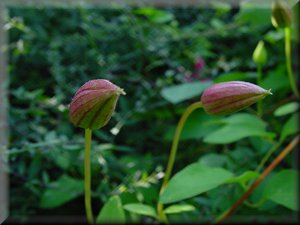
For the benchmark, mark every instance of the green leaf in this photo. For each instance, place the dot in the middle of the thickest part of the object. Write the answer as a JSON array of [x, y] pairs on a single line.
[[243, 178], [61, 191], [193, 180], [290, 127], [255, 13], [197, 125], [141, 209], [213, 160], [221, 7], [287, 109], [62, 159], [179, 209], [155, 15], [181, 92], [272, 78], [112, 212], [273, 36], [282, 189], [236, 127], [234, 76]]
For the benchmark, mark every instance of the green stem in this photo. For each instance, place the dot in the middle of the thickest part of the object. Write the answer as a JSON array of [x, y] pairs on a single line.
[[259, 78], [287, 32], [172, 155], [87, 176]]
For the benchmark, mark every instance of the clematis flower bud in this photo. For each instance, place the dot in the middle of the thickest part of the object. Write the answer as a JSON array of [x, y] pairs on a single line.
[[93, 104], [281, 14], [260, 54], [228, 97]]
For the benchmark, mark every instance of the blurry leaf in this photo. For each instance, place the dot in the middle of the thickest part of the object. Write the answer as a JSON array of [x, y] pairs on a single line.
[[213, 160], [197, 125], [45, 177], [148, 194], [61, 191], [61, 158], [274, 35], [181, 92], [72, 147], [243, 178], [155, 15], [221, 7], [128, 197], [112, 212], [35, 166], [38, 112], [290, 127], [141, 209], [287, 109], [272, 78], [236, 127], [260, 145], [193, 180], [234, 76], [240, 158], [255, 13], [179, 209], [282, 188]]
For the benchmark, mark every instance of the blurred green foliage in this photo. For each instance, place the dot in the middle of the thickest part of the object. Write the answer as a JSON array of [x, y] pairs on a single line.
[[151, 54]]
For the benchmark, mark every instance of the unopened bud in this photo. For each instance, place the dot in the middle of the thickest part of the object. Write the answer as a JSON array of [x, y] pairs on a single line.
[[281, 14], [228, 97], [93, 104], [260, 54]]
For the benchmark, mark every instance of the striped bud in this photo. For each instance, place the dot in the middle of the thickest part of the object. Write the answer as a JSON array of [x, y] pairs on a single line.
[[228, 97], [281, 14], [93, 104], [260, 54]]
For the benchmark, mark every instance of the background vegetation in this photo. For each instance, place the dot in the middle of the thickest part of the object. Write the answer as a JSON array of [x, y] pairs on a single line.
[[151, 53]]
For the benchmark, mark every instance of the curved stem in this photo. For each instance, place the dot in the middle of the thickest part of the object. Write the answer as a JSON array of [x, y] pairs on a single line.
[[172, 155], [287, 39], [87, 176], [259, 78], [276, 161]]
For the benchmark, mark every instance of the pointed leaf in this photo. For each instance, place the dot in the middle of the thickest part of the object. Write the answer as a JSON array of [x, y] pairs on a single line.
[[243, 178], [290, 127], [112, 211], [179, 209], [287, 109], [181, 92], [238, 126], [155, 15], [213, 160], [282, 189], [141, 209], [197, 125], [61, 191], [193, 180]]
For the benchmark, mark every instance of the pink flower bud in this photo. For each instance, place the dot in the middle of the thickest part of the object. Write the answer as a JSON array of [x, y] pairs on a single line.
[[93, 104], [228, 97]]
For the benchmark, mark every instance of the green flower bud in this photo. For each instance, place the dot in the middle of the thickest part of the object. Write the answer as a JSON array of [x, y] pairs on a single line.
[[281, 14], [93, 104], [260, 54], [228, 97]]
